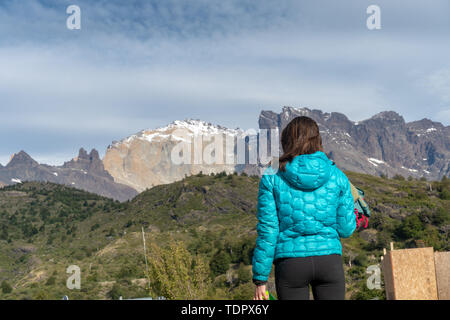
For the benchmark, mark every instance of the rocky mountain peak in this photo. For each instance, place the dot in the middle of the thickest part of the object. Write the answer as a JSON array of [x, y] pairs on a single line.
[[295, 109], [21, 159], [83, 172], [82, 154], [196, 127], [383, 144], [269, 120], [390, 116], [287, 112], [87, 162], [94, 155], [144, 159], [178, 130], [337, 117], [425, 126]]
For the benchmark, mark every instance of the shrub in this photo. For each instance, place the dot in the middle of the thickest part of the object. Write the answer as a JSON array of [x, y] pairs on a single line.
[[441, 217], [364, 293], [444, 188], [116, 292], [383, 240], [126, 272], [176, 274], [6, 287], [219, 263], [41, 295], [420, 195], [361, 260], [244, 274], [445, 194], [50, 281], [243, 292], [410, 228]]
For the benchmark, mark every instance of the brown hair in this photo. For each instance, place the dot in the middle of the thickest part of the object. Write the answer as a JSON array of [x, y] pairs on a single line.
[[301, 136]]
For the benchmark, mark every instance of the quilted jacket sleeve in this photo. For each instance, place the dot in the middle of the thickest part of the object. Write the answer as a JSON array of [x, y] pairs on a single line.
[[267, 228], [346, 219]]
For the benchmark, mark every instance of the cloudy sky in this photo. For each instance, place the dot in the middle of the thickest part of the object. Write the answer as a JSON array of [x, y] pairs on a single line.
[[142, 64]]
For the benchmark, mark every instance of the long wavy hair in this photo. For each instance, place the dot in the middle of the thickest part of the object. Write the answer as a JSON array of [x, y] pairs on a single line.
[[301, 136]]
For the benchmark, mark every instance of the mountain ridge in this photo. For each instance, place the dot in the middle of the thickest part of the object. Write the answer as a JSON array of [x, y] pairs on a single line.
[[85, 172], [384, 144], [396, 145]]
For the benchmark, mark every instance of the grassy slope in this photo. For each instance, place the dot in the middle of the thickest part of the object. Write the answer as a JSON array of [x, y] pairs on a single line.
[[44, 228]]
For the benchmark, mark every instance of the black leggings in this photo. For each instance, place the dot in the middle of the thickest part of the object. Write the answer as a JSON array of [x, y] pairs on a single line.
[[325, 274]]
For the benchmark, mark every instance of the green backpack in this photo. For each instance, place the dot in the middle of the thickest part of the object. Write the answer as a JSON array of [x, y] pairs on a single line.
[[362, 210]]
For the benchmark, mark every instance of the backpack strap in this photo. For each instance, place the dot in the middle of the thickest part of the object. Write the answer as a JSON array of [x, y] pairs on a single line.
[[355, 192]]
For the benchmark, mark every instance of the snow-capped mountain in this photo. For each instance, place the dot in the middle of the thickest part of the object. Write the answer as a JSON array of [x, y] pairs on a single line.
[[144, 160]]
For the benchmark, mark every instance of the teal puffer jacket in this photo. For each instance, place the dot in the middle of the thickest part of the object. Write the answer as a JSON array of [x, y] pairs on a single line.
[[303, 211]]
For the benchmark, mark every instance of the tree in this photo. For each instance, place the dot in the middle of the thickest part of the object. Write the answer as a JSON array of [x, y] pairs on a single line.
[[115, 293], [176, 274], [4, 234], [244, 274], [220, 263], [410, 228], [399, 177], [383, 240], [441, 216], [6, 287], [444, 188], [361, 260]]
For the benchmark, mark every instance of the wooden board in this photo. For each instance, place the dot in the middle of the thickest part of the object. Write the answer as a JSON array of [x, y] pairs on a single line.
[[442, 265], [410, 274]]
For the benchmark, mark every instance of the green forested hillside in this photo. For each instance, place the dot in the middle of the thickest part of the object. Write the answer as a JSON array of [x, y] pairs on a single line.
[[44, 228]]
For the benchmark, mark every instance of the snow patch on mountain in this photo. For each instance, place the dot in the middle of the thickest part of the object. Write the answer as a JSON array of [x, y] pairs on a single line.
[[375, 162], [410, 170], [180, 131]]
